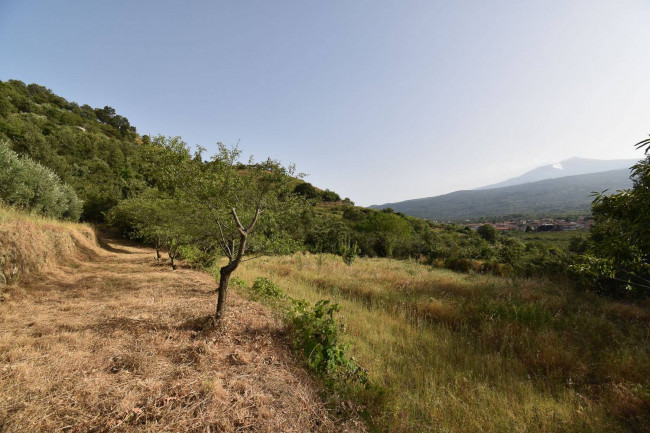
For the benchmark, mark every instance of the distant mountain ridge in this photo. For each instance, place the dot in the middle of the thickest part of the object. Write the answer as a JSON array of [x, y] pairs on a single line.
[[568, 167], [563, 195]]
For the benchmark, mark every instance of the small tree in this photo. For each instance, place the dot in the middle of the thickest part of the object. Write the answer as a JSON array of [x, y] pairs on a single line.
[[250, 207], [389, 229], [488, 232], [157, 219], [307, 190]]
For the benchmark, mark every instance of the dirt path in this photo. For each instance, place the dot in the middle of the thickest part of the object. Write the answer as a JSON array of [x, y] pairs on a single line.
[[112, 343]]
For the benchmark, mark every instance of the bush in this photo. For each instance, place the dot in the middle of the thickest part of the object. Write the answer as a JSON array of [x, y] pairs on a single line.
[[459, 264], [196, 257], [316, 335], [307, 190], [26, 184], [329, 196], [349, 253], [265, 287]]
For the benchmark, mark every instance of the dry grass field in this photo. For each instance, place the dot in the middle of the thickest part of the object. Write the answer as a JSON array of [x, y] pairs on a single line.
[[106, 340], [477, 353]]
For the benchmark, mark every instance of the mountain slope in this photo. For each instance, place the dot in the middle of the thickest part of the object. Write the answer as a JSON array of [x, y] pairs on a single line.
[[569, 194], [568, 167]]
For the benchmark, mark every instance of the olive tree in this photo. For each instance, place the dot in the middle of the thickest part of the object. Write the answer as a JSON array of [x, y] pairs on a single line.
[[26, 184], [249, 207]]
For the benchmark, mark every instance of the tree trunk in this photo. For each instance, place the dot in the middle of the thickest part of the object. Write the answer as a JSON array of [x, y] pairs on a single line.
[[224, 272], [157, 253], [172, 257], [223, 291]]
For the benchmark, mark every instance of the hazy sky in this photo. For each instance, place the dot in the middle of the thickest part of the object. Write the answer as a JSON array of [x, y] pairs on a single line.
[[379, 101]]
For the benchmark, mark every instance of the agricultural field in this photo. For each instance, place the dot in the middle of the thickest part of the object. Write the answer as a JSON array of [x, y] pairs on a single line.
[[559, 239]]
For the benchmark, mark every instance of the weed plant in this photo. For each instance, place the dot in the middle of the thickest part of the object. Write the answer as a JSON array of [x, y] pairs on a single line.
[[316, 334]]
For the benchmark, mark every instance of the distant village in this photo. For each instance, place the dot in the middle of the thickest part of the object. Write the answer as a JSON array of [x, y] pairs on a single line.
[[540, 225]]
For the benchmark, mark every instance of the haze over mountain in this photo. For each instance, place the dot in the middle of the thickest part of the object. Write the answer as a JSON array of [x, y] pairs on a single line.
[[559, 196], [568, 167]]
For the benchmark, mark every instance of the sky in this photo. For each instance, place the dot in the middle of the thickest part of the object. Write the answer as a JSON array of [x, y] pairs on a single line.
[[380, 101]]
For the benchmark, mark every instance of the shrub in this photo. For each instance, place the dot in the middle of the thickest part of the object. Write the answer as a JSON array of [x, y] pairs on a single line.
[[316, 335], [330, 196], [307, 190], [265, 287], [349, 253], [196, 257], [26, 184], [459, 264]]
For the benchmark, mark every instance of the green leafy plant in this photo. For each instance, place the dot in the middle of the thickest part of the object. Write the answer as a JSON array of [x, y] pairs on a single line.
[[265, 287], [316, 335], [349, 252]]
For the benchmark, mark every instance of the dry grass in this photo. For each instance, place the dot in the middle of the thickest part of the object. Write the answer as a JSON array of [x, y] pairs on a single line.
[[30, 243], [463, 352], [117, 343]]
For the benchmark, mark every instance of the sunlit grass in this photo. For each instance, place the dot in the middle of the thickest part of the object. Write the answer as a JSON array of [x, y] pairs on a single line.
[[10, 214], [463, 352]]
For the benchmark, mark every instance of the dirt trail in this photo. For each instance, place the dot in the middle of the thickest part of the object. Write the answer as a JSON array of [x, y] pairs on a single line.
[[111, 342]]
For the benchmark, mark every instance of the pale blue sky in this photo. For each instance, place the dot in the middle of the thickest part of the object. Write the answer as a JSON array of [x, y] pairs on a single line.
[[378, 100]]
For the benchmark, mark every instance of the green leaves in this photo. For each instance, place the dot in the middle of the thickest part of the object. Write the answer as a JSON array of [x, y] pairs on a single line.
[[617, 260], [26, 184], [253, 200], [316, 335]]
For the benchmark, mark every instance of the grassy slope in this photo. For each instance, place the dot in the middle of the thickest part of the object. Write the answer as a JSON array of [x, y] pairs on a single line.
[[109, 341], [477, 353]]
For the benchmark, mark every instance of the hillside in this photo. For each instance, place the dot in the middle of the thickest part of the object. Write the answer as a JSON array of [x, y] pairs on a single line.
[[568, 167], [94, 150], [104, 339], [561, 196]]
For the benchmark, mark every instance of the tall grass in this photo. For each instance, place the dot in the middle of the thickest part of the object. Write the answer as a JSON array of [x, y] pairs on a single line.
[[458, 352]]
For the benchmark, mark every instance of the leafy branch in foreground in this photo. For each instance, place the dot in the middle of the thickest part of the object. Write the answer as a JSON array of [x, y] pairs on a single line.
[[618, 259]]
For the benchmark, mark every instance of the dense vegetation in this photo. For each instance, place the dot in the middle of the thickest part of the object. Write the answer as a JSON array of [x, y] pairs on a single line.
[[94, 150]]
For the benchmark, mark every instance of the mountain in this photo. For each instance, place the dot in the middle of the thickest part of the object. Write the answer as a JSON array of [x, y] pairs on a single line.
[[560, 196], [568, 167]]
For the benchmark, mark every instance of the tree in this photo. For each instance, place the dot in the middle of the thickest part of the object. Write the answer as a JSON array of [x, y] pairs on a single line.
[[488, 232], [389, 229], [251, 208], [618, 258], [330, 196], [307, 190], [158, 219], [26, 184]]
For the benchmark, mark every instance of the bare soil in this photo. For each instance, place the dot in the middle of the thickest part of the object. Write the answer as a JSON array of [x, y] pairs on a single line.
[[112, 341]]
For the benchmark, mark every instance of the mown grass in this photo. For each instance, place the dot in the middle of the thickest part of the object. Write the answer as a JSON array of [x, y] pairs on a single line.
[[459, 352], [107, 340]]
